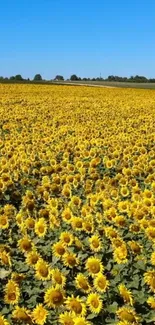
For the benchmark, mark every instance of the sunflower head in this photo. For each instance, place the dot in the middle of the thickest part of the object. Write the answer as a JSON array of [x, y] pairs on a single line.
[[22, 314], [101, 283], [3, 321], [94, 303], [66, 318], [127, 314], [58, 249], [39, 314], [94, 266], [54, 297], [12, 293], [126, 294], [41, 227], [82, 283], [42, 270], [76, 305]]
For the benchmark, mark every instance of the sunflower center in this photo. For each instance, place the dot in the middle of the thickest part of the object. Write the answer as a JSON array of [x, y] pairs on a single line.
[[101, 283], [3, 221], [66, 239], [95, 303], [95, 243], [57, 297], [71, 260], [83, 284], [95, 268], [58, 278], [12, 296], [125, 315], [43, 271], [79, 224], [41, 229], [26, 245], [76, 307], [60, 250]]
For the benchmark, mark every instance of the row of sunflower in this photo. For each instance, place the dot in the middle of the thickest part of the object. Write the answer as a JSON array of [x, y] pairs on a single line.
[[77, 205]]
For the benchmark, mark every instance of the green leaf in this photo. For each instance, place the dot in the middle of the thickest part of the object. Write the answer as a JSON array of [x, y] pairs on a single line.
[[140, 265], [112, 308], [4, 273], [92, 316]]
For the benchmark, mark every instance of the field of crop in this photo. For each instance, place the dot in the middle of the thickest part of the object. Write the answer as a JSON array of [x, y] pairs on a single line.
[[77, 205]]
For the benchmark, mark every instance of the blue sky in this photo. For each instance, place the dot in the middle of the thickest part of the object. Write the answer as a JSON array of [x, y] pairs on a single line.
[[86, 37]]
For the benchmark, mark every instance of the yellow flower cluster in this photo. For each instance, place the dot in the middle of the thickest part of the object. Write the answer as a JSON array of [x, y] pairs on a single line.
[[77, 205]]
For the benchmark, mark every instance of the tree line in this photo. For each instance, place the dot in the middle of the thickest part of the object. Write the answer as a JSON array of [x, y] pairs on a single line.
[[74, 77]]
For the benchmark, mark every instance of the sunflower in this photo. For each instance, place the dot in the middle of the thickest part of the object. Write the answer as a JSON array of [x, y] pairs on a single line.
[[58, 249], [4, 223], [18, 277], [127, 314], [82, 283], [101, 283], [67, 215], [88, 226], [66, 318], [3, 321], [25, 244], [151, 302], [32, 258], [81, 321], [54, 297], [149, 278], [12, 293], [78, 243], [75, 201], [120, 221], [135, 247], [94, 266], [125, 294], [120, 254], [77, 223], [94, 302], [153, 258], [123, 206], [76, 305], [70, 259], [124, 191], [30, 223], [41, 227], [22, 314], [95, 243], [110, 232], [42, 270], [58, 278], [39, 314], [66, 238], [5, 258], [150, 231]]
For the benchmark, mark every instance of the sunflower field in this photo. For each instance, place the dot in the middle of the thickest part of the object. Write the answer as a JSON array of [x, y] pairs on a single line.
[[77, 205]]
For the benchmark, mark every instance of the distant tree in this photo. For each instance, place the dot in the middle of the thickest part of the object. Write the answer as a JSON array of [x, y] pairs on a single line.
[[12, 78], [58, 77], [74, 77], [1, 78], [37, 77], [18, 77]]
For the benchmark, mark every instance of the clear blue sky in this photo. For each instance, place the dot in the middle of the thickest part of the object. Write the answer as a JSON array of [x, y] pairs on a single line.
[[86, 37]]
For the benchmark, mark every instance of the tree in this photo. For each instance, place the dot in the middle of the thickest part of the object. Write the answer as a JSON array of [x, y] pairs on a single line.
[[37, 77], [12, 78], [18, 77], [74, 77], [58, 77]]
